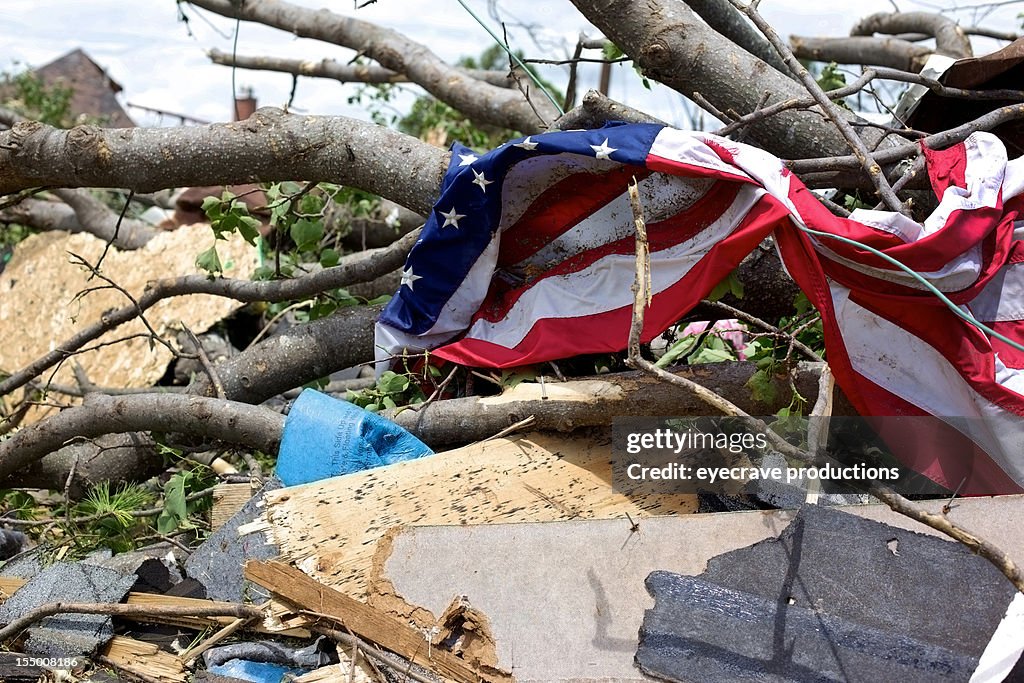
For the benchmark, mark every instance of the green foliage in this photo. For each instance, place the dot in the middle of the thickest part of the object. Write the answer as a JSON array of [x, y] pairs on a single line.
[[115, 525], [391, 391], [20, 505], [730, 285], [831, 78], [26, 94], [771, 355], [227, 215], [177, 510]]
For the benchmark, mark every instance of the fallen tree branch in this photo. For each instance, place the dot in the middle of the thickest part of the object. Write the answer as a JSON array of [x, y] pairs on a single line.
[[593, 401], [478, 100], [949, 37], [888, 52], [345, 73], [100, 414], [724, 18], [268, 146]]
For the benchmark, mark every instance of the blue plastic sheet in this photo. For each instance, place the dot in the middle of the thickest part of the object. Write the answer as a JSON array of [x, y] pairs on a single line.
[[326, 437], [258, 672]]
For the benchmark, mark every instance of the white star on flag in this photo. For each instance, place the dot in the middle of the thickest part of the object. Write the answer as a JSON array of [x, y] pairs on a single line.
[[467, 159], [527, 144], [452, 218], [481, 180], [408, 278], [603, 151]]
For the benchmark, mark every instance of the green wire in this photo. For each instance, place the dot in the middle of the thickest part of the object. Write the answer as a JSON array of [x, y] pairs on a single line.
[[513, 56], [942, 297]]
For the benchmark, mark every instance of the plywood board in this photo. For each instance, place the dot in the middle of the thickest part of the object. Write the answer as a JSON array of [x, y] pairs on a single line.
[[39, 309], [330, 529]]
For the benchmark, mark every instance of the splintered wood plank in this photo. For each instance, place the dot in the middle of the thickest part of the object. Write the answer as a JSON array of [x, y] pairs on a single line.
[[144, 659], [330, 529], [364, 621]]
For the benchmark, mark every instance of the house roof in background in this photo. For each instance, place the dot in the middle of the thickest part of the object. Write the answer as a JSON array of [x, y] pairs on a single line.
[[94, 91]]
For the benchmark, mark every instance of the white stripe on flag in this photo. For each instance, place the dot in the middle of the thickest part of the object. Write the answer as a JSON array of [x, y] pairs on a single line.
[[908, 367], [661, 195], [1007, 644], [605, 284], [1002, 299]]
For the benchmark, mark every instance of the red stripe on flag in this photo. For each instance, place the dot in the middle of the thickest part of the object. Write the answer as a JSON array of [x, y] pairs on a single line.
[[552, 338], [661, 235], [946, 167], [560, 207]]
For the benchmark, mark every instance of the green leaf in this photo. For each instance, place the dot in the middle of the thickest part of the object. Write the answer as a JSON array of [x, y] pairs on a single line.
[[392, 383], [311, 204], [249, 228], [677, 351], [730, 285], [611, 51], [510, 379], [712, 355], [307, 233], [388, 402], [801, 303], [329, 257], [761, 387], [175, 511], [209, 261], [213, 208]]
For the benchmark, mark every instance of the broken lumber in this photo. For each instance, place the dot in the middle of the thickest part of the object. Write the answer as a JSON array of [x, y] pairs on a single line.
[[366, 622], [272, 624], [144, 659], [330, 529]]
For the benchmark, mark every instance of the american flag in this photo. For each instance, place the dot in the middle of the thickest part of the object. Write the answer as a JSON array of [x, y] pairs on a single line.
[[528, 256]]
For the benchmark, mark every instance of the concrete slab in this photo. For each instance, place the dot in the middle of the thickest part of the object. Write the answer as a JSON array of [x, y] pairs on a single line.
[[566, 600]]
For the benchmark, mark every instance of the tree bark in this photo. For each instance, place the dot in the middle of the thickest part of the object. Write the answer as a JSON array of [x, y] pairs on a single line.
[[269, 146], [297, 356], [889, 52], [671, 45], [725, 19], [949, 37], [344, 73], [100, 414], [596, 401], [478, 100]]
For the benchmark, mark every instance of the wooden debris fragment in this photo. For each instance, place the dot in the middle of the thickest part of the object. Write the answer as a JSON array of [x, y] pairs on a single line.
[[145, 659], [273, 624], [366, 622], [227, 500]]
